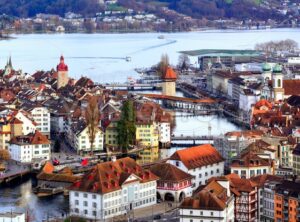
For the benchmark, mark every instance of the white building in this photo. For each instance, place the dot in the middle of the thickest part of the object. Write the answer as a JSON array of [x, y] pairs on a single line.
[[12, 217], [78, 136], [164, 132], [111, 189], [250, 164], [41, 117], [26, 148], [202, 162], [28, 123], [213, 203], [173, 184]]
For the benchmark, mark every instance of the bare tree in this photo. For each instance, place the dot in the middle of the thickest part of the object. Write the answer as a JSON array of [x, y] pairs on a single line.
[[163, 64], [270, 47], [92, 115], [183, 62], [4, 155]]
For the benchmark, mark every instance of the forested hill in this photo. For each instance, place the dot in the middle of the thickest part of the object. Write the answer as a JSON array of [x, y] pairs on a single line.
[[29, 8], [209, 9]]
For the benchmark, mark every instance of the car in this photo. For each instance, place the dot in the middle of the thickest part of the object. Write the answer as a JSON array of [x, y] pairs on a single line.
[[157, 217]]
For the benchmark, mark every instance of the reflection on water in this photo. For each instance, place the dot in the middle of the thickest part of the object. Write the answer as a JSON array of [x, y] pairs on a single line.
[[21, 199]]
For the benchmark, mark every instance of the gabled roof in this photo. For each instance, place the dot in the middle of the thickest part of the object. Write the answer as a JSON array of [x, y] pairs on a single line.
[[250, 159], [260, 180], [169, 172], [198, 156], [211, 197], [109, 176]]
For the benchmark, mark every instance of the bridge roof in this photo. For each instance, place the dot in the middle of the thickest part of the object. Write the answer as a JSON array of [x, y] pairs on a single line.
[[180, 99]]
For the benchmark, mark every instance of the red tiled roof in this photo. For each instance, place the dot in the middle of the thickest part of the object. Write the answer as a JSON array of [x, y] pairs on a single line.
[[168, 172], [211, 197], [198, 156], [250, 159], [170, 74], [110, 176], [262, 179], [291, 86], [263, 102]]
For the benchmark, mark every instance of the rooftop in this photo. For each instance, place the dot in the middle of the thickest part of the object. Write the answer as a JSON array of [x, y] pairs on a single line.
[[222, 52]]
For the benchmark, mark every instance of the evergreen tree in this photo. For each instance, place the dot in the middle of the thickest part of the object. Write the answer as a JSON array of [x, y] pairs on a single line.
[[126, 126]]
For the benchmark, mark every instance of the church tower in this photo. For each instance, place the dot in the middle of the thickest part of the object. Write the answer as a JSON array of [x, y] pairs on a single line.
[[62, 73], [266, 73], [169, 82], [8, 68], [277, 83]]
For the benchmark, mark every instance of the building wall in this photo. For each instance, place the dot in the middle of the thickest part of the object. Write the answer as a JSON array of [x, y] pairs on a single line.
[[82, 142], [147, 135], [247, 172], [14, 218], [28, 126], [201, 174], [21, 153], [111, 135], [41, 116], [133, 195], [278, 207], [62, 79], [164, 132], [169, 88], [296, 164]]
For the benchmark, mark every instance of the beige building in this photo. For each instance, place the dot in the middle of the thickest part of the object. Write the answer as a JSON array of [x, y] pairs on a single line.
[[296, 160], [169, 83]]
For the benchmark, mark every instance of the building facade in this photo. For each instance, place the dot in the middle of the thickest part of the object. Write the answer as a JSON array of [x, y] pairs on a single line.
[[111, 189]]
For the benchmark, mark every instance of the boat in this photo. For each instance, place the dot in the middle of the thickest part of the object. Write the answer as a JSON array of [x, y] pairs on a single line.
[[161, 37], [47, 191], [128, 58]]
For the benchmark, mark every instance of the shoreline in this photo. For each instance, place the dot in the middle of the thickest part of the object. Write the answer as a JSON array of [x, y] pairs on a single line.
[[141, 32]]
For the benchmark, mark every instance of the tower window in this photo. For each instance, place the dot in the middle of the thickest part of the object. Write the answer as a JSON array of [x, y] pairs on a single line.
[[279, 83]]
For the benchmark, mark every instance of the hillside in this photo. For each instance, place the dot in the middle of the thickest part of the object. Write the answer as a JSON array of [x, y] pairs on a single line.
[[29, 8], [208, 9]]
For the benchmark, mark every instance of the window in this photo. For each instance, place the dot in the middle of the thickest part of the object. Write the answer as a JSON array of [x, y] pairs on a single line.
[[85, 212], [85, 203], [211, 213], [94, 196], [94, 204], [76, 210], [76, 194], [94, 213], [191, 212], [85, 195], [177, 163], [76, 202], [278, 83]]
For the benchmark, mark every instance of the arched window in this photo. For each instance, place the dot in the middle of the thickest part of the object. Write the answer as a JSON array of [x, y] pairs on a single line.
[[279, 83]]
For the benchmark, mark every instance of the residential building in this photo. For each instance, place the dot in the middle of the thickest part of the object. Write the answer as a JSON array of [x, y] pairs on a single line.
[[79, 137], [41, 117], [29, 126], [265, 195], [112, 188], [250, 164], [212, 203], [12, 217], [32, 146], [296, 160], [286, 201], [232, 143], [202, 162], [245, 195], [173, 184], [111, 133]]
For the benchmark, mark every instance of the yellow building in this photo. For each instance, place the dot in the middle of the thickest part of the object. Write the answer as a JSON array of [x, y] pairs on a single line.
[[146, 135], [148, 155], [5, 135]]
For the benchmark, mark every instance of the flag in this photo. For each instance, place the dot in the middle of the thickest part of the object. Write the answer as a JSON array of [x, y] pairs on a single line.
[[84, 162]]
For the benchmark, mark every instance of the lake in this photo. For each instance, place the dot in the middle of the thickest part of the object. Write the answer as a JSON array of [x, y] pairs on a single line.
[[101, 57], [98, 55]]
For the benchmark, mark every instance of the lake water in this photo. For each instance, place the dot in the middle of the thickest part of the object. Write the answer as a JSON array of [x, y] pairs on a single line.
[[84, 54]]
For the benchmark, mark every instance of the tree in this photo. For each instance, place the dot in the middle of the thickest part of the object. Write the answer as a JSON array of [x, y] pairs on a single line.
[[56, 147], [126, 126], [183, 62], [4, 155], [92, 115], [163, 65], [277, 46]]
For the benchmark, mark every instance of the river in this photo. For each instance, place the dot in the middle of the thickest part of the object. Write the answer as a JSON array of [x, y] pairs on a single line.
[[87, 55]]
